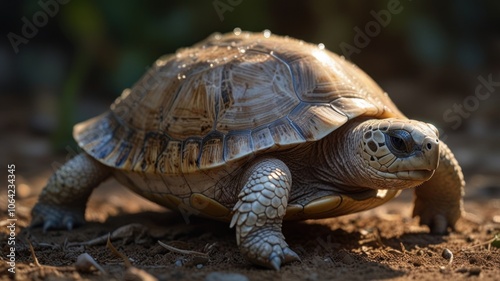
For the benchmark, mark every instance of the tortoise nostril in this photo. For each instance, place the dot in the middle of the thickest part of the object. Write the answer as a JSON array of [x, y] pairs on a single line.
[[429, 146]]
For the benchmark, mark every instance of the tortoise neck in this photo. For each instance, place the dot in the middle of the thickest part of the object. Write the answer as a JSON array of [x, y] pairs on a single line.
[[339, 161]]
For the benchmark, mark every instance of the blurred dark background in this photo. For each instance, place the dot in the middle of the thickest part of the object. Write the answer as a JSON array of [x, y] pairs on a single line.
[[64, 61]]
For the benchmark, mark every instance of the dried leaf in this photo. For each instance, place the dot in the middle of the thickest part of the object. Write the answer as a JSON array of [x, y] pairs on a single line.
[[117, 253]]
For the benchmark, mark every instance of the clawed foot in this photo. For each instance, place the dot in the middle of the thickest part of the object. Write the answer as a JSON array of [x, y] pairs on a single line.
[[439, 201], [56, 217], [437, 219], [267, 247]]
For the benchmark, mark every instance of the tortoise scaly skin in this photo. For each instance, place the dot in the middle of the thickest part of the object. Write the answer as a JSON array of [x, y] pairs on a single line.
[[253, 130]]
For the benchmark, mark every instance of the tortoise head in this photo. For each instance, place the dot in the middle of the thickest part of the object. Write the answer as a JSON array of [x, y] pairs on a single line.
[[399, 153]]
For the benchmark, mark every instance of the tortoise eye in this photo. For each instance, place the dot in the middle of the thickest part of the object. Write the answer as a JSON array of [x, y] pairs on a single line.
[[399, 142]]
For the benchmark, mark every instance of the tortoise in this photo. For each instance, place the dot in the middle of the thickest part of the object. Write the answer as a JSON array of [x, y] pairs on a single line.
[[254, 129]]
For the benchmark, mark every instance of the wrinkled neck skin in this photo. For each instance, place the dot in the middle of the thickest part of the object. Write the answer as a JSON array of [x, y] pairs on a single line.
[[337, 164]]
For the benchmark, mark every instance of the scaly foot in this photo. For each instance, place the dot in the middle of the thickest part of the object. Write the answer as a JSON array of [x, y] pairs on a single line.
[[56, 217], [259, 214]]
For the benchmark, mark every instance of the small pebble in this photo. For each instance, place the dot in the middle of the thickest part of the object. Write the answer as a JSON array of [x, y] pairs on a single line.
[[85, 262], [496, 219], [475, 271], [416, 262], [447, 255], [178, 263], [199, 266], [224, 276]]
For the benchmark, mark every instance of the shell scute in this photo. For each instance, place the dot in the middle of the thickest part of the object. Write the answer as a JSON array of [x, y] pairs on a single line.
[[169, 161], [284, 133], [316, 120], [190, 153], [262, 139], [238, 145], [212, 151]]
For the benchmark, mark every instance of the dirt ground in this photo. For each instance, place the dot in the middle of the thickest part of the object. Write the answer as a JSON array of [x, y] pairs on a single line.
[[381, 244]]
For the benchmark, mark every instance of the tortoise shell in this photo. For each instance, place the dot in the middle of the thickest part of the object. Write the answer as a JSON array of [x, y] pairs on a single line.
[[225, 100], [229, 97]]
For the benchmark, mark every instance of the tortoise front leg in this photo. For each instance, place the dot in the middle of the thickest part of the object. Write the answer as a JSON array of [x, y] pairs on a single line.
[[63, 200], [439, 202], [259, 214]]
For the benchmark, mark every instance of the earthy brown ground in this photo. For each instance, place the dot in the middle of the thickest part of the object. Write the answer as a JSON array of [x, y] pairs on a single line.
[[385, 243]]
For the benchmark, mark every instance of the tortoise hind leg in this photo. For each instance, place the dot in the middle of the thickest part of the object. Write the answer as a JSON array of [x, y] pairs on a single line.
[[438, 201], [259, 214], [63, 200]]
